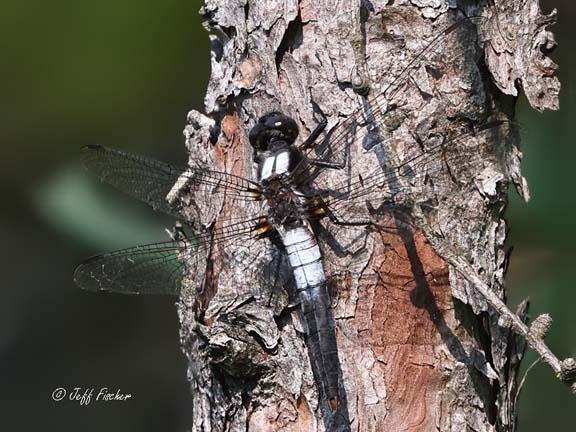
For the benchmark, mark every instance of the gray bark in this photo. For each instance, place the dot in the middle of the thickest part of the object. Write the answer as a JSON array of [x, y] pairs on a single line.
[[420, 350]]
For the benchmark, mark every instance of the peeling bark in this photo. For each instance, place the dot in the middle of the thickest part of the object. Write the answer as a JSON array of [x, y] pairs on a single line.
[[419, 349]]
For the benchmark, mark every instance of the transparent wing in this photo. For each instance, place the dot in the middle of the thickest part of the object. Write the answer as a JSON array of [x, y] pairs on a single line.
[[147, 269], [378, 113], [161, 185], [159, 268], [391, 188]]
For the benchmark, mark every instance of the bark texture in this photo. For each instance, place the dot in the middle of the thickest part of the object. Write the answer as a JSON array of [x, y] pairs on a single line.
[[419, 349]]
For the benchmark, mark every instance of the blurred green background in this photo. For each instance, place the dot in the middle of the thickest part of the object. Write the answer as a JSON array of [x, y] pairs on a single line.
[[124, 74]]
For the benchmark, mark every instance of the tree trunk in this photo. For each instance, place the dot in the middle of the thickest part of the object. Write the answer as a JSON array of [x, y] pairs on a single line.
[[419, 349]]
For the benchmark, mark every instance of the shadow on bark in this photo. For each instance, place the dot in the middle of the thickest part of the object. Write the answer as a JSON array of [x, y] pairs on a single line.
[[423, 298]]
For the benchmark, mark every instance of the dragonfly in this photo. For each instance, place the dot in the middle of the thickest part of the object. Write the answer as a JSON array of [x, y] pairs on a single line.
[[300, 189]]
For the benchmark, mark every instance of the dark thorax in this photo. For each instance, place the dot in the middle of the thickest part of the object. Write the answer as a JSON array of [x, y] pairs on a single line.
[[276, 156], [285, 205]]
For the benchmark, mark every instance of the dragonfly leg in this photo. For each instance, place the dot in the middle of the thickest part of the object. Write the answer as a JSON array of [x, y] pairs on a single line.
[[336, 221], [341, 222], [332, 165], [311, 140]]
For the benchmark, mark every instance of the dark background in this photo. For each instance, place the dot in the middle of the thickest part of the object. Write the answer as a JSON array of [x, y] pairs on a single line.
[[124, 74]]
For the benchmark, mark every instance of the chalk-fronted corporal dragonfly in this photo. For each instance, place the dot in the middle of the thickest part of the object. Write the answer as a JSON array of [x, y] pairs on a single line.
[[295, 193]]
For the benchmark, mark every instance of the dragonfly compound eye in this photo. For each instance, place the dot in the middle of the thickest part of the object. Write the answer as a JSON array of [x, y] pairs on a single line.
[[273, 126]]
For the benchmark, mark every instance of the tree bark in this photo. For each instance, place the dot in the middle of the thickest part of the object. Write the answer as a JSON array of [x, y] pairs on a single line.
[[419, 350]]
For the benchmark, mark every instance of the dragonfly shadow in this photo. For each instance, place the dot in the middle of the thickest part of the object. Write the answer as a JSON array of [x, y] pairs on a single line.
[[422, 297]]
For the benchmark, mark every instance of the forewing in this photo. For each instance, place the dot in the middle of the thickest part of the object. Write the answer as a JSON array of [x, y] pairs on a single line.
[[421, 172], [373, 123], [163, 186]]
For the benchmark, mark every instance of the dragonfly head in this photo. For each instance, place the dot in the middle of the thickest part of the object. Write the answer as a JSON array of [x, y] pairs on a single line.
[[272, 129]]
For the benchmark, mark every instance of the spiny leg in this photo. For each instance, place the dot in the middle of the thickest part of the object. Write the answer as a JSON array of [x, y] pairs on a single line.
[[311, 140]]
